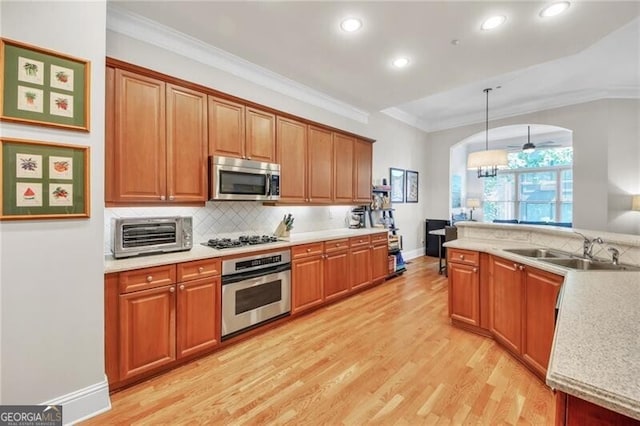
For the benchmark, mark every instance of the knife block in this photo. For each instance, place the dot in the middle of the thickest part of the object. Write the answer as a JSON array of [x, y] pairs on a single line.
[[281, 231]]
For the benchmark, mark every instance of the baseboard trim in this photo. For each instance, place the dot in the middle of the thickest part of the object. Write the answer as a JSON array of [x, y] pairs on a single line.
[[412, 254], [83, 403]]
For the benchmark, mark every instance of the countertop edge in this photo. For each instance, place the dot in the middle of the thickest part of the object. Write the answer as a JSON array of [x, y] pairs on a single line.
[[200, 252]]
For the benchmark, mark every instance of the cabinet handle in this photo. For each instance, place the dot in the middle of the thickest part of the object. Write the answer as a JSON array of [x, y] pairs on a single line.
[[149, 278], [337, 244], [521, 267], [200, 270], [462, 257], [515, 266], [475, 270], [172, 289], [359, 241], [308, 250], [248, 158], [162, 197], [171, 197], [310, 200], [181, 286]]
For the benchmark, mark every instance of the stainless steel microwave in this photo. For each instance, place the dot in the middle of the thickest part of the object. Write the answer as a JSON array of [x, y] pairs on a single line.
[[238, 179], [145, 235]]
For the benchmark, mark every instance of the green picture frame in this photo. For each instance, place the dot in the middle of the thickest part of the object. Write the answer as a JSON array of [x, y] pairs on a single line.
[[43, 180], [43, 87]]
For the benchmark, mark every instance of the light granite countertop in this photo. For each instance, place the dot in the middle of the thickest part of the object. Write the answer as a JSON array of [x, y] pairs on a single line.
[[596, 346], [200, 251]]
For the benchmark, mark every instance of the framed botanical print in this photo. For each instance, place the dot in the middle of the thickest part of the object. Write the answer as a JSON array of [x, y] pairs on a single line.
[[412, 186], [43, 87], [43, 180], [396, 178]]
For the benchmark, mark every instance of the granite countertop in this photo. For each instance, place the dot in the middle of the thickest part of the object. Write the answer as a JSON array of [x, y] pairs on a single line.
[[200, 251], [596, 346]]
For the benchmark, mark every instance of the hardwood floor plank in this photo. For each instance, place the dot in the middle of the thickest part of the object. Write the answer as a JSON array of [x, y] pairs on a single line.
[[386, 356]]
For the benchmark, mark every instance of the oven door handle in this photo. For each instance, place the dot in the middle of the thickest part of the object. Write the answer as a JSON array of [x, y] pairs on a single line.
[[268, 185], [255, 274]]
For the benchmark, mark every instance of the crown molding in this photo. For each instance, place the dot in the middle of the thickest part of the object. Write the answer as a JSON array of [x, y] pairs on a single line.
[[522, 108], [151, 32]]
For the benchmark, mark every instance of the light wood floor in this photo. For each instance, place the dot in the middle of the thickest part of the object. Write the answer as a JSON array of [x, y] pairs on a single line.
[[385, 356]]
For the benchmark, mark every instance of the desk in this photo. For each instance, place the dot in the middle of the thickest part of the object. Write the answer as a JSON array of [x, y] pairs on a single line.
[[440, 233]]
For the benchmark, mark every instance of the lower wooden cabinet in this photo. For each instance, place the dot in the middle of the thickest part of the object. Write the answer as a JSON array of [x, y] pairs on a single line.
[[506, 303], [147, 330], [574, 411], [516, 306], [326, 271], [307, 277], [156, 326], [541, 290], [336, 269], [360, 255]]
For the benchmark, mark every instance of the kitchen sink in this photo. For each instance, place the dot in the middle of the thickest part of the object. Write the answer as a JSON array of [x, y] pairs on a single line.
[[539, 253], [590, 265]]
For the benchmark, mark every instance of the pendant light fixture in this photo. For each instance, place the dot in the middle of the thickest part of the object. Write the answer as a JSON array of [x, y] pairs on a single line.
[[528, 147], [487, 162]]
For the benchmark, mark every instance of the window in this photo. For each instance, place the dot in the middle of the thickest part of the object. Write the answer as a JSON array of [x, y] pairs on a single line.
[[537, 187]]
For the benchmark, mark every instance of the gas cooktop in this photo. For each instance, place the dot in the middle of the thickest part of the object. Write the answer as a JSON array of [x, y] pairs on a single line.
[[242, 240]]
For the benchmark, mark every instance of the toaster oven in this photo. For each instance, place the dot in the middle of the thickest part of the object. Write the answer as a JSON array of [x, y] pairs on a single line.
[[138, 236]]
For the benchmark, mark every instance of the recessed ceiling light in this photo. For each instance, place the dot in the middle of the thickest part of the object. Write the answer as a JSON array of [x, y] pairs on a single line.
[[351, 24], [554, 9], [400, 62], [493, 22]]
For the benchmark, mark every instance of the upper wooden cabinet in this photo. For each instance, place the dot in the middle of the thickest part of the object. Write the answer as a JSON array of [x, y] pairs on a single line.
[[320, 165], [156, 141], [236, 130], [292, 156], [363, 158], [344, 158]]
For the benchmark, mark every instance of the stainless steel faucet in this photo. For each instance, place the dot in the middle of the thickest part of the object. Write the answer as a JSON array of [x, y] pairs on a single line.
[[587, 245], [615, 254]]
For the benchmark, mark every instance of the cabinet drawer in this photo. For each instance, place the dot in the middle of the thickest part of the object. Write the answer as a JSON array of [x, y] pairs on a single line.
[[359, 241], [465, 257], [199, 269], [142, 279], [377, 239], [336, 245], [306, 250]]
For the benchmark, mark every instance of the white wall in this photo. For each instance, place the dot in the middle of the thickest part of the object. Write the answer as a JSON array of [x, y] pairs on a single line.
[[606, 143], [51, 271], [397, 144]]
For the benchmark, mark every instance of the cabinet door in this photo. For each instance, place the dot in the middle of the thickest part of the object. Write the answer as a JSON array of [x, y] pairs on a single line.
[[226, 128], [260, 135], [306, 280], [147, 330], [360, 267], [292, 156], [363, 157], [464, 293], [138, 150], [540, 293], [186, 145], [320, 165], [198, 315], [336, 275], [379, 262], [344, 168], [506, 303]]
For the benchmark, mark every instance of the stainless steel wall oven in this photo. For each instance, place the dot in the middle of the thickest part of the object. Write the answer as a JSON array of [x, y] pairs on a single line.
[[255, 289]]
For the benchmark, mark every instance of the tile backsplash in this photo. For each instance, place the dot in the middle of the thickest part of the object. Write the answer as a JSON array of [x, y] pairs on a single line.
[[236, 217]]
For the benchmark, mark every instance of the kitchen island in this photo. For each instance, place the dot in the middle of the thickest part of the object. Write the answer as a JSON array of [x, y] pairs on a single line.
[[596, 346]]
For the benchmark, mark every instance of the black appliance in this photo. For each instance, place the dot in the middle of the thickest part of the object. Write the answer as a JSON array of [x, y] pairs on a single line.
[[432, 242]]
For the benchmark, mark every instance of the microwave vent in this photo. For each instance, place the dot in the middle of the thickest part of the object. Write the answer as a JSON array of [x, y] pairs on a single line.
[[137, 235]]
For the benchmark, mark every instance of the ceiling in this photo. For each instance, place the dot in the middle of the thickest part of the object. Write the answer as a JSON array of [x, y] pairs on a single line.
[[589, 52]]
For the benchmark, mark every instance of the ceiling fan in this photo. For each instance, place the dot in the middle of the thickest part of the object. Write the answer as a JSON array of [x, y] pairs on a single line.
[[529, 146]]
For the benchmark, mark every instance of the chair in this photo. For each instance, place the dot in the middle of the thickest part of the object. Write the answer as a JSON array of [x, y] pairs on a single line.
[[450, 233]]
